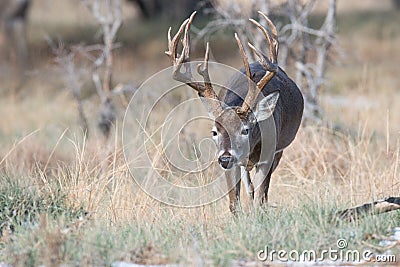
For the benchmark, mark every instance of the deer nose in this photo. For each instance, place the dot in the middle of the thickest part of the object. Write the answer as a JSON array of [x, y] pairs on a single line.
[[226, 160]]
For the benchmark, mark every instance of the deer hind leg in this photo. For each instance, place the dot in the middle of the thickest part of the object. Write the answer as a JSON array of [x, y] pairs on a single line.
[[233, 183], [262, 180]]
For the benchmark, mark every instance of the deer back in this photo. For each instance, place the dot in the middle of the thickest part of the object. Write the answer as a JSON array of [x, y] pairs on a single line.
[[289, 109]]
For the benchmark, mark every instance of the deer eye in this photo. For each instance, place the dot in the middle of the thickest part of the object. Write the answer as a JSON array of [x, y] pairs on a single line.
[[214, 133], [245, 132]]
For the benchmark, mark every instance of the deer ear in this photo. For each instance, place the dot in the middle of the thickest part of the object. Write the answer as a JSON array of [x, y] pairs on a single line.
[[266, 106]]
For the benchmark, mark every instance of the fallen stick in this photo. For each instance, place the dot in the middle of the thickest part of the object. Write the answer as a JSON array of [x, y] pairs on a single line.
[[376, 207]]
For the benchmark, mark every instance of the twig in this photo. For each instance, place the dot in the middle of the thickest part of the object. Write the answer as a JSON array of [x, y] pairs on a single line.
[[376, 207], [72, 77]]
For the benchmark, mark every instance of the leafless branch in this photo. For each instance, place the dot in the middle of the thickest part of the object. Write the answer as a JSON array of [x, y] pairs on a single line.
[[108, 14], [72, 76], [376, 207], [307, 47]]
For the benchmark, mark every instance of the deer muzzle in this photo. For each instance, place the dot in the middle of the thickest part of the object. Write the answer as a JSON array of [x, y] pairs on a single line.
[[226, 160]]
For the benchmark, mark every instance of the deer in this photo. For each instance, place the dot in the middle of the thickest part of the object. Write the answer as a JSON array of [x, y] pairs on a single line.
[[254, 120]]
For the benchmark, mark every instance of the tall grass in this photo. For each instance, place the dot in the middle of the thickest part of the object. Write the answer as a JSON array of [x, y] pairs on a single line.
[[322, 172]]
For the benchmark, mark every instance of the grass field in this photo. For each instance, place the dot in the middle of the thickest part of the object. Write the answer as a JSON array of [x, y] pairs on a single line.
[[67, 200]]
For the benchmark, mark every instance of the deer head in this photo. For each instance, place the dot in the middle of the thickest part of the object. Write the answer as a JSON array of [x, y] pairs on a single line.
[[235, 127]]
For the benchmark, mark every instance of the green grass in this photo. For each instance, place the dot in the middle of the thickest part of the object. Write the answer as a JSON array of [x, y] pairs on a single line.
[[169, 239], [21, 204]]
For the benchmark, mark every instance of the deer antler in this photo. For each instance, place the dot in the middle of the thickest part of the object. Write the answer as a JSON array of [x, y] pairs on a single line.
[[269, 64], [205, 88]]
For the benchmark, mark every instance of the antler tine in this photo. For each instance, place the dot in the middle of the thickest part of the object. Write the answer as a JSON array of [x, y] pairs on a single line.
[[208, 92], [178, 60], [252, 93], [202, 68], [270, 67], [244, 56], [271, 43], [173, 43], [274, 34], [186, 37], [269, 64]]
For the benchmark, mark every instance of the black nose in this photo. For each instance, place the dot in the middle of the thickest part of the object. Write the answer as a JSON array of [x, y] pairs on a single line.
[[226, 161]]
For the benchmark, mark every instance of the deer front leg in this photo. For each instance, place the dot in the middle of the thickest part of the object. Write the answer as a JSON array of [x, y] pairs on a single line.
[[233, 182], [247, 183]]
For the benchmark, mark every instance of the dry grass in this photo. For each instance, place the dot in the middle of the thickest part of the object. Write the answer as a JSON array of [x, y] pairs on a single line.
[[321, 172], [353, 160]]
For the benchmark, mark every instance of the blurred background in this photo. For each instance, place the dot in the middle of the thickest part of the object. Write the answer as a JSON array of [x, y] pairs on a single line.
[[68, 69], [359, 82]]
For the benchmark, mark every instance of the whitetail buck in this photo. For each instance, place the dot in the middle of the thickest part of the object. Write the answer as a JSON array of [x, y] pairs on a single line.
[[271, 102]]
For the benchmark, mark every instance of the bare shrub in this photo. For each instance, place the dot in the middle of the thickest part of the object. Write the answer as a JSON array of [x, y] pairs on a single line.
[[73, 76], [302, 46], [109, 16], [80, 61]]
